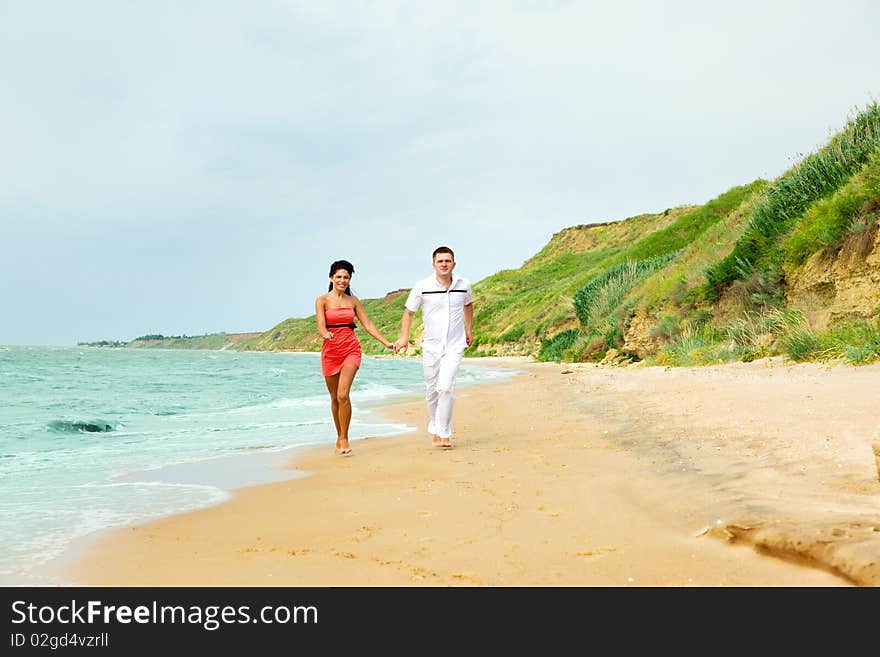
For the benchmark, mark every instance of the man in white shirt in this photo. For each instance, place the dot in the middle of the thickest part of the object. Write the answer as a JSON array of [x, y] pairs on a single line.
[[447, 304]]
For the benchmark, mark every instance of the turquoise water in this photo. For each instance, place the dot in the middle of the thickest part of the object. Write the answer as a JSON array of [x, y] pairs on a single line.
[[92, 439]]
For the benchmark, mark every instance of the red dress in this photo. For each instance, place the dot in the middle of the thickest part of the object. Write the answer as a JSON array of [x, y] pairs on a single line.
[[344, 348]]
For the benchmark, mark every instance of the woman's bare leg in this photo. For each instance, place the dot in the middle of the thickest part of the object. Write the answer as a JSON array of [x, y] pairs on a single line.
[[343, 388], [332, 385]]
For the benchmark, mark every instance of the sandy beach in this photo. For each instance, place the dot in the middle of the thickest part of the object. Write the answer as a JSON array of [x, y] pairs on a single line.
[[757, 474]]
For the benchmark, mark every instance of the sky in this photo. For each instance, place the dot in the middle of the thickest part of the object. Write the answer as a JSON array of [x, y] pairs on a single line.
[[195, 167]]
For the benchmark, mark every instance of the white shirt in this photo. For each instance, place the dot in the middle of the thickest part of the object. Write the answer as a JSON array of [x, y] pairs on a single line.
[[442, 312]]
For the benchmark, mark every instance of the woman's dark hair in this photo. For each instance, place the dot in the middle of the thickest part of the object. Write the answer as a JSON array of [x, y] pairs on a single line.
[[335, 267]]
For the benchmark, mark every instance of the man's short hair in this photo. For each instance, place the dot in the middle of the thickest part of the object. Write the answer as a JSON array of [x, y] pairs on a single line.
[[442, 249]]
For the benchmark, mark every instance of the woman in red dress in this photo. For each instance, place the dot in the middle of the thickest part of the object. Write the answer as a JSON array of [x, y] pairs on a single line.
[[335, 313]]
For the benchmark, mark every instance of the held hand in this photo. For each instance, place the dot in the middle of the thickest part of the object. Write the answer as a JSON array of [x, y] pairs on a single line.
[[399, 344]]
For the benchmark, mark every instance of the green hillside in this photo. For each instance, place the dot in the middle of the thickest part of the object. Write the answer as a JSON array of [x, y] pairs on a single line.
[[789, 266]]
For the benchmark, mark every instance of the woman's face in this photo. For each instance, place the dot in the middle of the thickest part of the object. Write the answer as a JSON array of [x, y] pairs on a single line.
[[340, 279]]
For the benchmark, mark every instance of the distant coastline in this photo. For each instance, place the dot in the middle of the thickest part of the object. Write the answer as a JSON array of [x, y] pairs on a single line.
[[157, 341]]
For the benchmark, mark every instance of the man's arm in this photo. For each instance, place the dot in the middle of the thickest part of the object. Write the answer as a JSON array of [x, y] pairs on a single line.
[[405, 323], [468, 312]]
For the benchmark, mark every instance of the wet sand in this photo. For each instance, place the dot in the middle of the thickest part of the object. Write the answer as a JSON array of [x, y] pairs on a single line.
[[758, 474]]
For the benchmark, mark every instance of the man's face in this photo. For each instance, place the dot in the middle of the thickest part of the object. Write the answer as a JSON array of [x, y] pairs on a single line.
[[443, 264]]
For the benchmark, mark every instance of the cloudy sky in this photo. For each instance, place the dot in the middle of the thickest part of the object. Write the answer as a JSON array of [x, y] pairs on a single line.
[[193, 167]]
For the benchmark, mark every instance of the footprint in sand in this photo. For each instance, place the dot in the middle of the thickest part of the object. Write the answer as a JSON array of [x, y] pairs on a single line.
[[597, 552], [364, 533], [474, 578]]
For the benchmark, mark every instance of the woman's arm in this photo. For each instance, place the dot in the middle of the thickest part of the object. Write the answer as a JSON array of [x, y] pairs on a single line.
[[369, 327], [320, 321]]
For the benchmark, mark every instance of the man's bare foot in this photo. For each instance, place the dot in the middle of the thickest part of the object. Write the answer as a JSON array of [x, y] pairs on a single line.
[[446, 443], [436, 441], [342, 446]]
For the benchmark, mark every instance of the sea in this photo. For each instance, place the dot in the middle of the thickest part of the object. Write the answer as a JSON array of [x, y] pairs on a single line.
[[95, 438]]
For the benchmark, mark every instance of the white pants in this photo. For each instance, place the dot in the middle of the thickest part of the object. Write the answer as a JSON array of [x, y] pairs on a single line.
[[440, 371]]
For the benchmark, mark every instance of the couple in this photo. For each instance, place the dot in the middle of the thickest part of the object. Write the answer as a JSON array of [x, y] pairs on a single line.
[[447, 305]]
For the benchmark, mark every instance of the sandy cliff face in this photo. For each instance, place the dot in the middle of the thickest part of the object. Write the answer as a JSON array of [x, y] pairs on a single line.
[[638, 339], [845, 284]]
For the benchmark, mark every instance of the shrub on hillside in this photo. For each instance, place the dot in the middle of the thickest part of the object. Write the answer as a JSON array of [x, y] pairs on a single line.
[[555, 348], [596, 301]]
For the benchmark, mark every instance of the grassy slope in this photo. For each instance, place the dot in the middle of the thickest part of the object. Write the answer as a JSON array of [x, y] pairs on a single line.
[[817, 176], [727, 218], [853, 209], [515, 309]]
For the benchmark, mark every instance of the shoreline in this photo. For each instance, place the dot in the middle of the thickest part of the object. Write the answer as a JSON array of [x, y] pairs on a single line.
[[577, 479]]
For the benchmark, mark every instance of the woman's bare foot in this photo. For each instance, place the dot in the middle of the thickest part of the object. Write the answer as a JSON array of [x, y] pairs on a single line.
[[342, 446]]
